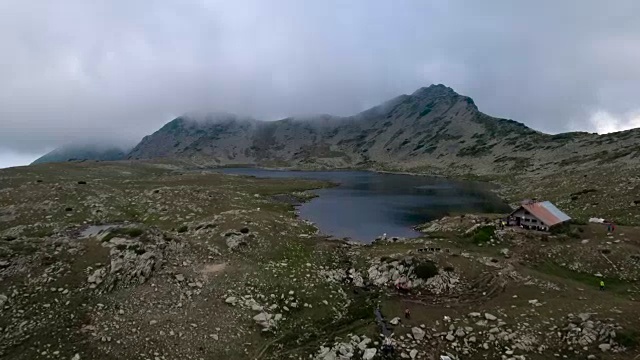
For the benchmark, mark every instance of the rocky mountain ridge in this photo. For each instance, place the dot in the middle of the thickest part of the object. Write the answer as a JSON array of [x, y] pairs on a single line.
[[434, 129]]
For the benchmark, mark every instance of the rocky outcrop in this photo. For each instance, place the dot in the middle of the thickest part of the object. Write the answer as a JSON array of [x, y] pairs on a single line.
[[132, 262], [354, 347]]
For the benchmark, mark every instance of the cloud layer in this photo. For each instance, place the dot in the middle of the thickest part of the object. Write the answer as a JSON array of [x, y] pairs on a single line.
[[114, 71]]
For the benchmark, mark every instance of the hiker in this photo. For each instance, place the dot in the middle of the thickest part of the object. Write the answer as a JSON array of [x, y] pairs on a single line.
[[601, 285], [609, 227], [613, 227], [407, 313]]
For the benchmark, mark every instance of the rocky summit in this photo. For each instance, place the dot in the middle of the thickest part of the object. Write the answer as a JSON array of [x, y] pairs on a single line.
[[432, 130]]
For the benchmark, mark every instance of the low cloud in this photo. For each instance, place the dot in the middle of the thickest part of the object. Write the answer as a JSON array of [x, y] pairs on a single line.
[[79, 71], [604, 122]]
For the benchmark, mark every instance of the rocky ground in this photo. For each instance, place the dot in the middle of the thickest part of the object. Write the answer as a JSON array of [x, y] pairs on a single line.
[[149, 261]]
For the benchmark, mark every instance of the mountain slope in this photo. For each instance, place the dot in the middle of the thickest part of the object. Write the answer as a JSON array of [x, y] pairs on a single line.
[[432, 129], [82, 152]]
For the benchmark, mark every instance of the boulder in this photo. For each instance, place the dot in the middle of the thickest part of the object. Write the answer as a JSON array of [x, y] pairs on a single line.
[[96, 278], [418, 333], [369, 354], [263, 319], [362, 345], [395, 321], [233, 240], [490, 317], [231, 300]]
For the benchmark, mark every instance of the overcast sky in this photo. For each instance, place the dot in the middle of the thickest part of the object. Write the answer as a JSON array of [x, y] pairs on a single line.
[[115, 70]]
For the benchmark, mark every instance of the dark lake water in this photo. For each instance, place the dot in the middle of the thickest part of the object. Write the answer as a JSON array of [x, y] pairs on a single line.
[[367, 204]]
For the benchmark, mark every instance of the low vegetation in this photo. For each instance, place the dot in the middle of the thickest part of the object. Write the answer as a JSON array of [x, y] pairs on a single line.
[[483, 234]]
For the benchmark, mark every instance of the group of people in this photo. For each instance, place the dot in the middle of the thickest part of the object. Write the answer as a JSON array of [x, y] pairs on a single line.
[[611, 227]]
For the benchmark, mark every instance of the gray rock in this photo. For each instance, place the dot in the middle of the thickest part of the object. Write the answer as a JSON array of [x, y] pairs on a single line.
[[369, 354], [235, 240], [450, 337], [231, 300], [362, 345], [395, 321], [3, 300], [413, 353], [418, 333], [584, 316], [490, 317], [96, 278], [604, 347]]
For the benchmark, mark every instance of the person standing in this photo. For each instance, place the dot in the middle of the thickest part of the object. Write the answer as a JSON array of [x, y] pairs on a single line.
[[601, 285]]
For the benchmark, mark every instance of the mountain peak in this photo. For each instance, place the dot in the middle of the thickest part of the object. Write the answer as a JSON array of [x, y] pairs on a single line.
[[434, 90]]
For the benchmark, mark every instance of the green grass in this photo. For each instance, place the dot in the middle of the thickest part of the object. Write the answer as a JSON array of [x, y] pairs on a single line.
[[611, 284]]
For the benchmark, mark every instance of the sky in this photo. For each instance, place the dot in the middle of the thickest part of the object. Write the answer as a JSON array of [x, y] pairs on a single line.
[[112, 71]]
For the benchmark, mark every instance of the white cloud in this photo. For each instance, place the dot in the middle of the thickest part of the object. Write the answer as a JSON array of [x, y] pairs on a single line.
[[604, 122], [75, 71]]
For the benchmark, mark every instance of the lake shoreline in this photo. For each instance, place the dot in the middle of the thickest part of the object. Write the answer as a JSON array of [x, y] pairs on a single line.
[[363, 205]]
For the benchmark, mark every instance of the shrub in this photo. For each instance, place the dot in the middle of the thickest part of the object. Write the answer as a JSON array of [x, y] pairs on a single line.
[[426, 270], [183, 228], [484, 234], [628, 338], [566, 229], [133, 232]]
